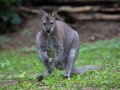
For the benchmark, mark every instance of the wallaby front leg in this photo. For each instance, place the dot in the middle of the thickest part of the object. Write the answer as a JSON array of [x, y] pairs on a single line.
[[44, 58], [44, 55]]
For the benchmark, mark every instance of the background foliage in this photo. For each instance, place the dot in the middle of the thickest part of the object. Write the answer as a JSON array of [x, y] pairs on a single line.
[[8, 16]]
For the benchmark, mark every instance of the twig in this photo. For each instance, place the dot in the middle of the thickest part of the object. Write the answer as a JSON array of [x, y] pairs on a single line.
[[95, 16]]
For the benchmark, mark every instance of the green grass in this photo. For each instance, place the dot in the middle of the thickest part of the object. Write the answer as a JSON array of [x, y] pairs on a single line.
[[19, 69]]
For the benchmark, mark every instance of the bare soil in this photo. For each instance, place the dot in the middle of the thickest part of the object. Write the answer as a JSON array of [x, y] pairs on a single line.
[[89, 31]]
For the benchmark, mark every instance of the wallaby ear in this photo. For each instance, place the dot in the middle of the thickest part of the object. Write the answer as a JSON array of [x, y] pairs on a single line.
[[54, 13], [42, 12]]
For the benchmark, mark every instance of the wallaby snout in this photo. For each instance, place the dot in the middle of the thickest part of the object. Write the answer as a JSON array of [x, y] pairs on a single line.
[[48, 31]]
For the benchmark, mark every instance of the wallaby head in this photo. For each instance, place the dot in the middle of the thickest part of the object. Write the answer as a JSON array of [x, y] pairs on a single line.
[[48, 21]]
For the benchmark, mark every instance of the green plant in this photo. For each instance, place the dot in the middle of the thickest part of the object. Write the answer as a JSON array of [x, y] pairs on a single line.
[[8, 14], [29, 49], [25, 32], [3, 41]]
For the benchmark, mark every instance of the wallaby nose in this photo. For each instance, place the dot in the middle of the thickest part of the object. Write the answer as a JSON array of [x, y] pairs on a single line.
[[48, 31]]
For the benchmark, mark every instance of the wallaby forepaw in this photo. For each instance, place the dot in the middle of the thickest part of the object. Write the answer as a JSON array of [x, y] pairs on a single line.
[[40, 78], [46, 60]]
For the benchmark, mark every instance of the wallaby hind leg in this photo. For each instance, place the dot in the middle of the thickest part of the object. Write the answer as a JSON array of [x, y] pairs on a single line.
[[43, 57], [72, 56]]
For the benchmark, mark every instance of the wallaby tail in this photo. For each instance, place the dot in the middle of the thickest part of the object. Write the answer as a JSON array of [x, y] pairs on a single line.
[[83, 69]]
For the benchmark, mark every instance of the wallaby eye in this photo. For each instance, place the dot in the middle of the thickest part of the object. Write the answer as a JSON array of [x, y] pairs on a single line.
[[44, 23], [51, 22]]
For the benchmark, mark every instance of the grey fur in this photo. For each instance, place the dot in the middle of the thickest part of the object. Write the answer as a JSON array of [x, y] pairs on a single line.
[[63, 42]]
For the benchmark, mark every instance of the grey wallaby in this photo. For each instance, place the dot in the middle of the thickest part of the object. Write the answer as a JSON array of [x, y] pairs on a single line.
[[60, 42]]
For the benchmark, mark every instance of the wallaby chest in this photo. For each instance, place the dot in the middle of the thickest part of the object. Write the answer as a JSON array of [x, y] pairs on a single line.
[[50, 45]]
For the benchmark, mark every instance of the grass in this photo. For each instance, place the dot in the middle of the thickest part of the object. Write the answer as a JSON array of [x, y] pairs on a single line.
[[19, 69]]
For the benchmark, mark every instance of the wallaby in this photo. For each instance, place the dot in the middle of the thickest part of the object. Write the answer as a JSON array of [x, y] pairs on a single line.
[[60, 42]]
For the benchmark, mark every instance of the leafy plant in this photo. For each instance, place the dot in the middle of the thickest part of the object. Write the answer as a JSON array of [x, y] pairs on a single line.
[[7, 14], [3, 41], [25, 32], [23, 81], [29, 49]]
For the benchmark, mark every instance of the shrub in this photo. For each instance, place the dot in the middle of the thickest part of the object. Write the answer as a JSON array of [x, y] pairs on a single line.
[[7, 15], [3, 41]]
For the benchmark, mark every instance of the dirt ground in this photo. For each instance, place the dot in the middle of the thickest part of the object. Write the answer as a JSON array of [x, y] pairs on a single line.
[[89, 31]]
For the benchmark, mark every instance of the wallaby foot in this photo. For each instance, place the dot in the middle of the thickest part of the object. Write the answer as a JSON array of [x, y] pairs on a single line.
[[40, 78], [66, 77]]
